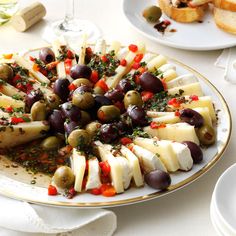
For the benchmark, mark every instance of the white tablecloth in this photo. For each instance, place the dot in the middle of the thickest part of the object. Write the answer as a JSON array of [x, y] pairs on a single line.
[[185, 212]]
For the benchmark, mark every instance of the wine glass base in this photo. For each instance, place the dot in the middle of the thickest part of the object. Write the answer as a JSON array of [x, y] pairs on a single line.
[[71, 30]]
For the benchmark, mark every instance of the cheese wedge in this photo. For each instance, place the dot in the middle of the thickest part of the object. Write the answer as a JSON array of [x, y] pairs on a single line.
[[78, 166], [6, 101], [156, 62], [29, 66], [183, 155], [182, 80], [149, 161], [188, 89], [122, 70], [168, 119], [93, 179], [116, 168], [163, 148], [176, 132], [134, 163]]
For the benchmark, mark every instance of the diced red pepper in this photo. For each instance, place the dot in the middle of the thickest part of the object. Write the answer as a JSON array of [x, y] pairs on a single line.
[[104, 58], [68, 65], [9, 109], [142, 70], [155, 125], [105, 167], [164, 84], [8, 56], [174, 102], [177, 113], [36, 67], [17, 120], [72, 191], [133, 48], [166, 22], [194, 97], [89, 51], [123, 62], [52, 65], [104, 187], [138, 57], [72, 87], [125, 140], [70, 54], [137, 79], [102, 84], [96, 191], [52, 190], [16, 78], [136, 65], [32, 58], [146, 95], [109, 192], [94, 77]]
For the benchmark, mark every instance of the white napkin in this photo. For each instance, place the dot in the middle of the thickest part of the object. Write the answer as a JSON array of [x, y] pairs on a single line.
[[23, 219], [227, 61]]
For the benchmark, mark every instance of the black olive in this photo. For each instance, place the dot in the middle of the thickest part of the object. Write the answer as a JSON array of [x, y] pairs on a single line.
[[191, 117]]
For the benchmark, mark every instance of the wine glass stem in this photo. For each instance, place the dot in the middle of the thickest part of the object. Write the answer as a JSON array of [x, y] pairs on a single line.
[[70, 11]]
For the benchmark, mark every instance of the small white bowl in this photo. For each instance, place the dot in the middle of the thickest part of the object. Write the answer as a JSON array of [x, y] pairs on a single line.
[[223, 206]]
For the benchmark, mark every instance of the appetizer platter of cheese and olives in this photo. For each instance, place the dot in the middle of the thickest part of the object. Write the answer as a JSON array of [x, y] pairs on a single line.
[[106, 124]]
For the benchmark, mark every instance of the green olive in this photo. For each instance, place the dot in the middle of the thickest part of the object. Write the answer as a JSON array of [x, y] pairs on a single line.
[[92, 128], [108, 113], [152, 14], [53, 101], [51, 143], [79, 138], [6, 72], [133, 97], [206, 135], [64, 177], [83, 100], [85, 118], [38, 111], [82, 81], [98, 90]]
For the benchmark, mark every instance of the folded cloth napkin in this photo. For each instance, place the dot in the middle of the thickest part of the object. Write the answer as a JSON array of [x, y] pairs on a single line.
[[24, 219], [227, 61]]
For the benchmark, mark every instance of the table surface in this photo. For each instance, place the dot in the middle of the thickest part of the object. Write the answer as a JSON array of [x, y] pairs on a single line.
[[185, 212]]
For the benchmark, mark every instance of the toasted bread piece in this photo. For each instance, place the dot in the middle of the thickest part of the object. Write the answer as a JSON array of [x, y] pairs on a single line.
[[225, 20], [185, 14], [229, 5]]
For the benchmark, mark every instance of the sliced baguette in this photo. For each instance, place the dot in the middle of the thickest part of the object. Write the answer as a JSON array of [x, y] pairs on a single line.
[[229, 5], [185, 14], [225, 20]]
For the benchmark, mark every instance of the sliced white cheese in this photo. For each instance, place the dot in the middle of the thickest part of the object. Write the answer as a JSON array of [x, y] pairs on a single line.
[[167, 67], [6, 101], [116, 168], [169, 75], [115, 46], [29, 66], [183, 156], [100, 47], [122, 53], [176, 132], [79, 165], [122, 70], [163, 148], [156, 62], [154, 114], [168, 119], [93, 179], [83, 50], [10, 90], [182, 80], [188, 89], [148, 160], [134, 163]]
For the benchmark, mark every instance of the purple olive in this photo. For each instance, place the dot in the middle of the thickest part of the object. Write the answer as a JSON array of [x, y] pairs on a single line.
[[71, 111], [46, 55], [158, 179], [123, 127], [151, 83], [124, 86], [80, 71], [137, 115], [32, 97], [195, 151], [109, 133], [114, 95], [61, 88], [70, 126], [84, 88], [56, 121], [191, 117]]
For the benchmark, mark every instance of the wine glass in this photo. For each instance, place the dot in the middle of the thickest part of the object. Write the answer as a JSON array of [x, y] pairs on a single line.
[[7, 9], [71, 28]]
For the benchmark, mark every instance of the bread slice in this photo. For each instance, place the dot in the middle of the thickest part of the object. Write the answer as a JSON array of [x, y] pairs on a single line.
[[226, 20], [185, 14], [229, 5]]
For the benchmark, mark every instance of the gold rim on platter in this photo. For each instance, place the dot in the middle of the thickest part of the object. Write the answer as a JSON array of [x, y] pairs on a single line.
[[221, 148]]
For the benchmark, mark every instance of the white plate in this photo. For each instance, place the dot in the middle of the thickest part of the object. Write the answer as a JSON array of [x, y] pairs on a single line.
[[191, 36], [224, 199], [19, 187]]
